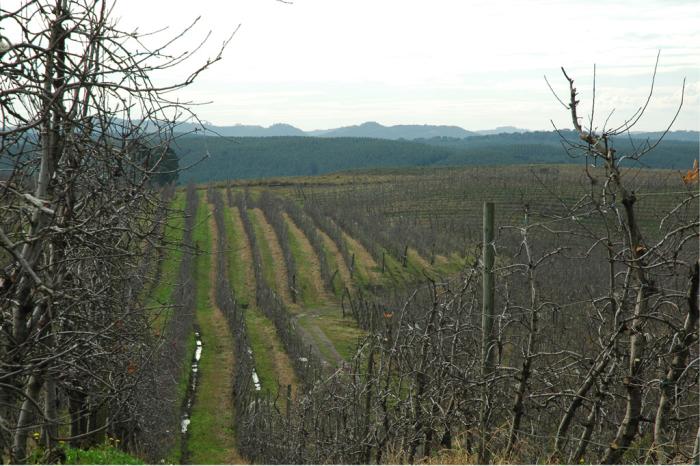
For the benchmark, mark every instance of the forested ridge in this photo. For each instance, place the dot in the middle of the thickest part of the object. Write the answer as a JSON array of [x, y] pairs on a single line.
[[259, 157]]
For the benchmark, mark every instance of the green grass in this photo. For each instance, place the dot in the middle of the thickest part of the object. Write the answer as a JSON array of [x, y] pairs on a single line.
[[210, 427], [259, 329], [161, 294], [202, 241], [306, 322], [394, 272], [338, 288], [265, 252], [183, 383], [261, 332], [211, 434], [100, 455], [338, 285], [309, 295], [174, 232], [359, 274], [256, 322], [106, 453], [454, 264], [342, 332], [237, 269]]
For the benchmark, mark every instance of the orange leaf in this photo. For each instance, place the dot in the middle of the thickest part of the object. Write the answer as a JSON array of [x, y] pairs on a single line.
[[692, 175]]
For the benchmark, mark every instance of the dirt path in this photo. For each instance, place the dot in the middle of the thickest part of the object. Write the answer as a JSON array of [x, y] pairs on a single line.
[[322, 339], [279, 266], [318, 291], [309, 322], [212, 438]]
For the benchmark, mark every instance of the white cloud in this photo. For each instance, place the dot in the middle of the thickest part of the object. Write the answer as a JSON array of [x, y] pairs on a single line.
[[320, 63]]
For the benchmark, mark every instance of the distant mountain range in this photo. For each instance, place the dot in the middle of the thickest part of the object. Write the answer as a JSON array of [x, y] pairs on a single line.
[[279, 129], [372, 129]]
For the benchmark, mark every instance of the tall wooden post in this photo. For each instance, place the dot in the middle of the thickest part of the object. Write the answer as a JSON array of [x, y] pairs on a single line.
[[487, 343], [289, 402]]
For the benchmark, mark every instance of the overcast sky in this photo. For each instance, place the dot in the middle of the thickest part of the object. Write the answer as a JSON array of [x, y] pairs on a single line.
[[477, 64]]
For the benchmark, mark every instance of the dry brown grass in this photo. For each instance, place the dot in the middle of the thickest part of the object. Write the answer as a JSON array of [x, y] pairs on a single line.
[[278, 264], [343, 270], [281, 364], [260, 328], [313, 267], [244, 254], [363, 258], [415, 257]]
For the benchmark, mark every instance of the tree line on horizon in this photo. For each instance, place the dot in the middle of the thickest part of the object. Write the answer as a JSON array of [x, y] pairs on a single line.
[[261, 157]]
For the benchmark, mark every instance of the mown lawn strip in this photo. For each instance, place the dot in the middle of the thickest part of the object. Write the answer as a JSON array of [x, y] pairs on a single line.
[[211, 437]]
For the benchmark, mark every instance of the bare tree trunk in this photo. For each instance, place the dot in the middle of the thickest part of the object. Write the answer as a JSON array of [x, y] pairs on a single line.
[[680, 351], [77, 424], [591, 378], [633, 384], [518, 405], [366, 455], [588, 426], [50, 429], [420, 380], [26, 415]]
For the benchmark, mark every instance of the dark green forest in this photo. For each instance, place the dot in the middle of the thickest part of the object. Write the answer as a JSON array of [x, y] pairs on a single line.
[[221, 158]]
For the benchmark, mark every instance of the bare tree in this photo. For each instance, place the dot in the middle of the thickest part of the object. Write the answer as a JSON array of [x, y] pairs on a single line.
[[83, 131], [651, 267]]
